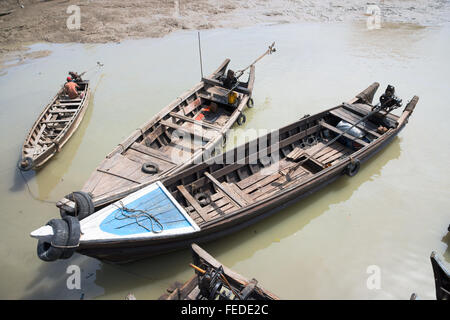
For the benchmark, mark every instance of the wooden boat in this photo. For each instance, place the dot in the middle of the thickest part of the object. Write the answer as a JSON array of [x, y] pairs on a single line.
[[441, 274], [54, 127], [240, 187], [213, 281], [182, 133]]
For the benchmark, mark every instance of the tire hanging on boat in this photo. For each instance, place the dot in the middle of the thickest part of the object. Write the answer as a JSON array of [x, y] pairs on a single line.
[[241, 119], [203, 198], [353, 167], [83, 205], [250, 103], [150, 168], [25, 164], [74, 236], [52, 251]]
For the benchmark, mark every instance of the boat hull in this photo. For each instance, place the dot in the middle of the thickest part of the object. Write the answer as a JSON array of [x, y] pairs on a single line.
[[67, 132], [122, 252]]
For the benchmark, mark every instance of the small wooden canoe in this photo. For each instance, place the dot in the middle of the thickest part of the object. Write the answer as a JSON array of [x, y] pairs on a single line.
[[53, 128], [240, 187], [182, 133], [214, 281]]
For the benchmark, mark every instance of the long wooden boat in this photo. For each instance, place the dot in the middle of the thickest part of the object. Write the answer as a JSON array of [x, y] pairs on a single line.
[[54, 127], [182, 133], [240, 187], [214, 281]]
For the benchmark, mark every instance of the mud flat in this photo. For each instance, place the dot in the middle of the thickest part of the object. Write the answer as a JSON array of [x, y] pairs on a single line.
[[23, 22]]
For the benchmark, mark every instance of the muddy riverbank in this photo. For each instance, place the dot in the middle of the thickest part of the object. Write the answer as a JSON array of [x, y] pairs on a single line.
[[23, 22]]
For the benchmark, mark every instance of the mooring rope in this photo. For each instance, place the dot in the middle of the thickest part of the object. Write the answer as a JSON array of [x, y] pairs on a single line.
[[136, 214], [30, 192]]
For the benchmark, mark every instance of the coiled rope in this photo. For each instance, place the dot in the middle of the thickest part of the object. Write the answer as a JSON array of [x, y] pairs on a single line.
[[137, 214]]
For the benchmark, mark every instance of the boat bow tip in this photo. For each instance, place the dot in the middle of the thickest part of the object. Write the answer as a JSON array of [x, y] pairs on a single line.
[[42, 233]]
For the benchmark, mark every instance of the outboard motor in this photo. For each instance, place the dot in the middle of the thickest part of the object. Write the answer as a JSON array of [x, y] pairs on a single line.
[[388, 100], [211, 286], [230, 81]]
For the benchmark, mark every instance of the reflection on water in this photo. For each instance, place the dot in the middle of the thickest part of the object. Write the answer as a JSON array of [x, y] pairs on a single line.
[[392, 214]]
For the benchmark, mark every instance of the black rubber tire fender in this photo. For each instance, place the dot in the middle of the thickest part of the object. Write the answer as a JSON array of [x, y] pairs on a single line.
[[241, 119], [74, 236], [52, 251], [353, 167], [224, 140], [150, 167], [29, 164], [84, 206], [250, 103], [203, 198]]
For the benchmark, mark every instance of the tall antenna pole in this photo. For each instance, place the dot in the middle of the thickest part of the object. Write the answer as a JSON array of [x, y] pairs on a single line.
[[200, 52]]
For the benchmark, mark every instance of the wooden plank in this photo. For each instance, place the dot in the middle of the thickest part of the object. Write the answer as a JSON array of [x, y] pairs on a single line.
[[364, 110], [175, 126], [65, 105], [334, 156], [56, 121], [295, 154], [152, 136], [242, 194], [259, 175], [151, 152], [197, 122], [352, 119], [193, 202], [63, 110], [118, 175], [279, 184], [188, 286], [70, 100], [221, 69], [330, 153], [224, 188], [348, 136], [140, 158], [192, 106]]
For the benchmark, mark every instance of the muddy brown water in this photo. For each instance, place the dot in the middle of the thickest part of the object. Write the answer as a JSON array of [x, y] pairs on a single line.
[[391, 215]]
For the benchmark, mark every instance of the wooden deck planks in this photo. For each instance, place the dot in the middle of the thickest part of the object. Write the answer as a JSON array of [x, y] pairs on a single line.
[[189, 198], [152, 152], [230, 193]]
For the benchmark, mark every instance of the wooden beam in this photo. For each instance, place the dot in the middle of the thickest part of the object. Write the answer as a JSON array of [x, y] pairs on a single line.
[[184, 129], [227, 191], [348, 136], [197, 122], [193, 202], [151, 152], [352, 119], [57, 121], [63, 110], [118, 176], [191, 106]]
